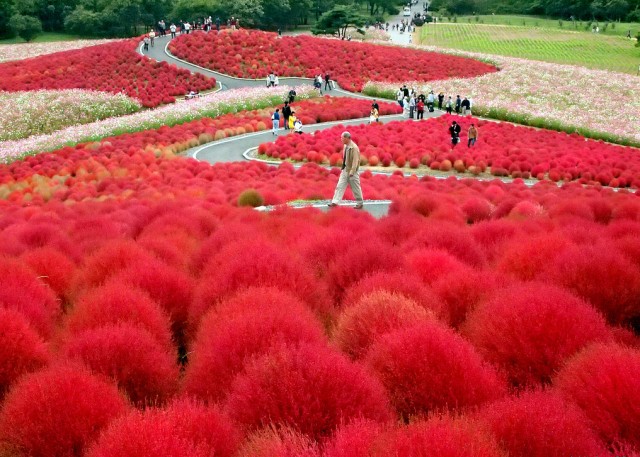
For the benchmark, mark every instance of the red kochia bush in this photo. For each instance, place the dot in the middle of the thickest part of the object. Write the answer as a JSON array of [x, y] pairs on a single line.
[[279, 443], [442, 436], [373, 315], [429, 367], [167, 286], [58, 412], [602, 276], [401, 282], [232, 270], [604, 381], [21, 349], [430, 264], [530, 329], [311, 389], [22, 291], [541, 424], [182, 429], [53, 267], [243, 327], [358, 439], [358, 260], [462, 290], [112, 257], [113, 304], [146, 370]]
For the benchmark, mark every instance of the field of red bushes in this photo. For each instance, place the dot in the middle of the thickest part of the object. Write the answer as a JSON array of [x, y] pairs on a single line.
[[112, 67], [502, 149], [253, 54], [142, 312]]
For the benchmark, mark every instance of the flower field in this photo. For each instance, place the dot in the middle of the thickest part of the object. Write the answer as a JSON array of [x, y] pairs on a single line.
[[503, 149], [28, 50], [230, 101], [253, 54], [543, 95], [124, 265], [46, 111], [113, 67], [146, 308]]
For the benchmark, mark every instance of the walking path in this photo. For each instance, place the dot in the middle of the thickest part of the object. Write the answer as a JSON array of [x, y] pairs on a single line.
[[233, 149]]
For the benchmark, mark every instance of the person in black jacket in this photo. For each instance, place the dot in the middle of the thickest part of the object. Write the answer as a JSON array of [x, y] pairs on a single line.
[[440, 100], [454, 131], [286, 112], [466, 107], [458, 104]]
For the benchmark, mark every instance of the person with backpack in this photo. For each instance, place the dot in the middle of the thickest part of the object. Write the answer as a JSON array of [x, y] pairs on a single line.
[[286, 112], [454, 131], [275, 118], [431, 99]]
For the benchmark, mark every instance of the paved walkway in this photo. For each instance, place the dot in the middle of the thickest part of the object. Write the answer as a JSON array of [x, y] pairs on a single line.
[[233, 149]]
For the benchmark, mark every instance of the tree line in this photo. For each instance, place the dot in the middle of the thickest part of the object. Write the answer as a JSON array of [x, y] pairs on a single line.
[[122, 18]]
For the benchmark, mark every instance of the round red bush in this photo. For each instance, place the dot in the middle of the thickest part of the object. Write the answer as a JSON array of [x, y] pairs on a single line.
[[278, 443], [182, 429], [22, 291], [602, 276], [531, 329], [232, 270], [431, 264], [241, 328], [604, 381], [278, 388], [443, 436], [541, 424], [53, 267], [373, 315], [115, 304], [22, 350], [58, 411], [429, 367], [132, 357], [400, 282]]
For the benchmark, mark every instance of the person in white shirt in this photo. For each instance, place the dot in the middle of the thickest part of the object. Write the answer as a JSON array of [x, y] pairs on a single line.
[[172, 27]]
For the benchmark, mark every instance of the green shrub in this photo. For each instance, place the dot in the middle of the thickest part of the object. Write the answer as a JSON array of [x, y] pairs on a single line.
[[250, 197], [26, 27]]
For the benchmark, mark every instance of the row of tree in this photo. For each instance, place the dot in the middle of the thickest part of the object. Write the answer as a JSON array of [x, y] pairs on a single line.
[[119, 18], [562, 9]]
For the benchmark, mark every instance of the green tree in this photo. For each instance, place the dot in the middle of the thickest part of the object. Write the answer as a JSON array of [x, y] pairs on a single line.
[[338, 19], [26, 27], [617, 9], [6, 11], [83, 22]]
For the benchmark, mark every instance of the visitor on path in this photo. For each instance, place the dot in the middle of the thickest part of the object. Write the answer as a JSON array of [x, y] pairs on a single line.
[[146, 43], [217, 24], [271, 80], [187, 28], [373, 115], [405, 90], [440, 100], [275, 118], [431, 99], [349, 174], [327, 81], [454, 131], [420, 108], [406, 109], [152, 37], [172, 28], [400, 97], [317, 83], [449, 106], [375, 105], [292, 95], [297, 126], [473, 135], [629, 34], [412, 105], [292, 120], [466, 107], [458, 104], [276, 81], [286, 112]]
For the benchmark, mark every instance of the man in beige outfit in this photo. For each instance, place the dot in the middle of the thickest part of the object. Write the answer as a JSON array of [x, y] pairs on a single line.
[[349, 174]]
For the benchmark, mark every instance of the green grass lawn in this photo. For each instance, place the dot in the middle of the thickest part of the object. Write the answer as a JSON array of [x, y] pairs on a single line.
[[551, 44], [46, 37]]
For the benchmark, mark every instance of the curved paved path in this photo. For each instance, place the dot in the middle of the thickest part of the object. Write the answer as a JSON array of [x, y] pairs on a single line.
[[233, 149]]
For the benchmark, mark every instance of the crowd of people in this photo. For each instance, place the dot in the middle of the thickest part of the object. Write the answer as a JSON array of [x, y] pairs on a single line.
[[413, 104]]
